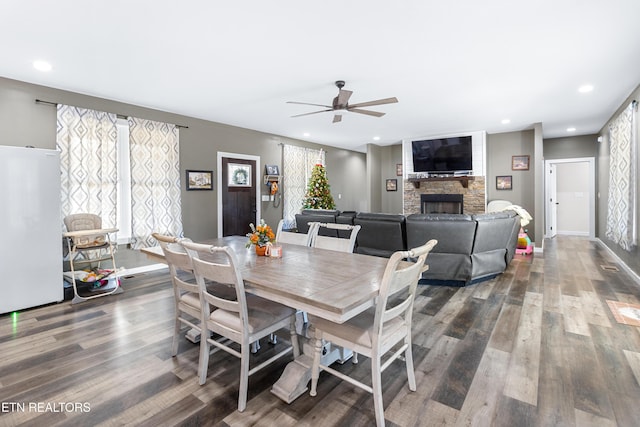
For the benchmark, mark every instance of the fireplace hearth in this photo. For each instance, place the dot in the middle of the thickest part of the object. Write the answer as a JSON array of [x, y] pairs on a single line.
[[441, 203]]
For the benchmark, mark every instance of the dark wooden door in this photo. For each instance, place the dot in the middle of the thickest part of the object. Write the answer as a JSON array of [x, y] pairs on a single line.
[[238, 196]]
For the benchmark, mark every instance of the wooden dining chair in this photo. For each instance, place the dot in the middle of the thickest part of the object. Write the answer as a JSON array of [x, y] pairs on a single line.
[[302, 239], [185, 289], [185, 293], [380, 329], [243, 320], [334, 243]]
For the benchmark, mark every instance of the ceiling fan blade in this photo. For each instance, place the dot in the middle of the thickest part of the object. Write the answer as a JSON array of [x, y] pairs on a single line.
[[367, 112], [314, 112], [376, 102], [337, 118], [343, 96], [307, 103]]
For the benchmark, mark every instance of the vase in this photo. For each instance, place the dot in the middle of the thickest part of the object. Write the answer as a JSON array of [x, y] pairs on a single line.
[[260, 250]]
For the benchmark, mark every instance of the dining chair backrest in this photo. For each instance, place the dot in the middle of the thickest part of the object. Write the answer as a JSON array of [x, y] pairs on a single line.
[[302, 239], [398, 287], [218, 264], [334, 243]]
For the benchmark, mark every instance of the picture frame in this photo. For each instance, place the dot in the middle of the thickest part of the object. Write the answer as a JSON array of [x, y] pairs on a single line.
[[239, 175], [520, 163], [271, 170], [398, 169], [504, 182], [199, 180], [392, 185]]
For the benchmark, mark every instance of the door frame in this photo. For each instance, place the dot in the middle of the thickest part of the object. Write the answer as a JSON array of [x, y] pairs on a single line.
[[256, 183], [548, 182]]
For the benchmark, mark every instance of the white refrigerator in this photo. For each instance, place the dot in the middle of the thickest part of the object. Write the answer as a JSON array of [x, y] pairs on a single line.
[[30, 228]]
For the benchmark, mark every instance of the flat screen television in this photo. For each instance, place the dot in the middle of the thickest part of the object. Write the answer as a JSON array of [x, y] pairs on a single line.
[[443, 156]]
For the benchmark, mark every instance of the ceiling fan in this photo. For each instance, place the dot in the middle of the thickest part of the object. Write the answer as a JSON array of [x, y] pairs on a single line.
[[341, 103]]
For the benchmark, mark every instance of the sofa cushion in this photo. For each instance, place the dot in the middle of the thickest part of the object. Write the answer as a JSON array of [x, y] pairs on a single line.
[[316, 215], [380, 234], [454, 232]]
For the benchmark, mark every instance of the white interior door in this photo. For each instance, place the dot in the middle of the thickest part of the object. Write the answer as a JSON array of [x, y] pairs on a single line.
[[572, 191], [570, 197]]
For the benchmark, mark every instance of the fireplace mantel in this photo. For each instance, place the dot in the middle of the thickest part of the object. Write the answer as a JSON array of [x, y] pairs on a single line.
[[464, 180]]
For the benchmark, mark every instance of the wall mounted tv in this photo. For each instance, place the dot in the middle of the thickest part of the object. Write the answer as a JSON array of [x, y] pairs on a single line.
[[443, 156]]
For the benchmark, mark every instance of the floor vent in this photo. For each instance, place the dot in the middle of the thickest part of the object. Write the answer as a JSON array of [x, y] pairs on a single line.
[[609, 268]]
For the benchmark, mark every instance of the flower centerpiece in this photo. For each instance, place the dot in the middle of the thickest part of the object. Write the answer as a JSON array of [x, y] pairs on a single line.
[[260, 236]]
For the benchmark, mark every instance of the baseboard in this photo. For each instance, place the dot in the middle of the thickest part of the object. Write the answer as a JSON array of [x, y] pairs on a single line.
[[139, 270], [573, 233], [624, 266]]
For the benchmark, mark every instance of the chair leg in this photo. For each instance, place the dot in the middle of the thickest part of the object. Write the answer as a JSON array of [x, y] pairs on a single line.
[[255, 346], [354, 359], [176, 334], [244, 377], [203, 362], [408, 360], [315, 369], [376, 380]]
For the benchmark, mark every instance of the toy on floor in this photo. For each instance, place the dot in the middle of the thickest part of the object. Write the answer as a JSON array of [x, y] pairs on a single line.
[[524, 246]]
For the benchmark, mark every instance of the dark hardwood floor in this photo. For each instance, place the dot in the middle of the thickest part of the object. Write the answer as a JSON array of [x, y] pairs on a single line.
[[536, 346]]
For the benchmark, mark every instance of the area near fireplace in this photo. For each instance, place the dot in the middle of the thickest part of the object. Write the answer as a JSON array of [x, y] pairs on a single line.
[[473, 196], [441, 203]]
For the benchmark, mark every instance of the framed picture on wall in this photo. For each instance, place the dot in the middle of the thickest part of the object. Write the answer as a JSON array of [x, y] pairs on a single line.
[[239, 175], [398, 169], [199, 180], [504, 182], [392, 185], [271, 170], [520, 163]]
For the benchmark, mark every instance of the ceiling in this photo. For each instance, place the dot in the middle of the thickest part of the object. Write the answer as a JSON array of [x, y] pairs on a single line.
[[455, 66]]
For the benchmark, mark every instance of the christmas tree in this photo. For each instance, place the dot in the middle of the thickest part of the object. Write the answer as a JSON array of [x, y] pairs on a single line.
[[318, 194]]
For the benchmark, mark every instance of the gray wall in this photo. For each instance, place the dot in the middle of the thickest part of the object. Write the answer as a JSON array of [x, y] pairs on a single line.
[[631, 258], [23, 122], [391, 201], [374, 178], [500, 148], [571, 147]]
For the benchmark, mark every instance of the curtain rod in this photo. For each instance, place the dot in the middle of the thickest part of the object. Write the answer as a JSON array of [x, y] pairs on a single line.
[[283, 144], [120, 116]]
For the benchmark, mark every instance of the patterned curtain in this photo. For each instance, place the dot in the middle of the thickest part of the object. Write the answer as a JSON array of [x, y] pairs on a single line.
[[622, 213], [155, 181], [297, 166], [88, 152]]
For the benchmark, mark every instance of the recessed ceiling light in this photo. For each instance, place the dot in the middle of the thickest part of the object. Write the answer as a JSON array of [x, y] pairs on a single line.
[[585, 88], [506, 121], [306, 134], [376, 138], [42, 66], [571, 129]]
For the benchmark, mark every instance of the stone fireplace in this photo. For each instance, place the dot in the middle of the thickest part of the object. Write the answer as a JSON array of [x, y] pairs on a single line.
[[473, 195], [441, 203]]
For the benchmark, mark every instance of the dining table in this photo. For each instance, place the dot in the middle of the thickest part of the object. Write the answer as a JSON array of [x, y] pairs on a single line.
[[329, 284]]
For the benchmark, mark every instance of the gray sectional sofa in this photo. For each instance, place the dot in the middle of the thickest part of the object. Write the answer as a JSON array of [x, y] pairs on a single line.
[[470, 248]]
